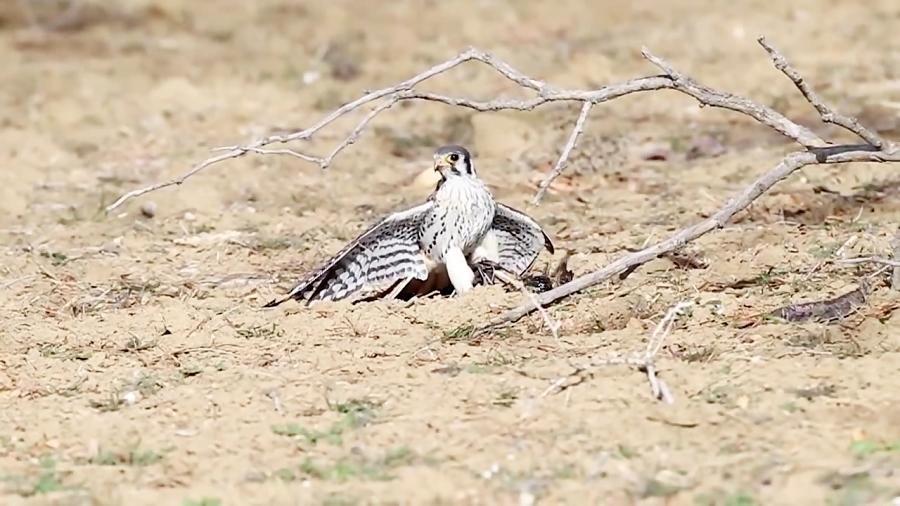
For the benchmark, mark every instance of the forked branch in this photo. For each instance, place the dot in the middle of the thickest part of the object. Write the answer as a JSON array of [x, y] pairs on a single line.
[[826, 113], [816, 152]]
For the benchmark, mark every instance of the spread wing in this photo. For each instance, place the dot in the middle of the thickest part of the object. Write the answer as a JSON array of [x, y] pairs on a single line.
[[519, 239], [385, 254]]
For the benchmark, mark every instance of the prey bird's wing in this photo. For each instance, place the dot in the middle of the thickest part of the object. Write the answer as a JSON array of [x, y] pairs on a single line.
[[519, 239], [386, 253]]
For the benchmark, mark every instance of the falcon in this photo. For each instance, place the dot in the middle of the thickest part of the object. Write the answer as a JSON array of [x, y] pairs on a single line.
[[459, 226]]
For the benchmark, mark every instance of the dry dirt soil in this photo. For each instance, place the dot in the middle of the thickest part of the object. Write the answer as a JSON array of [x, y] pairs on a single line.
[[136, 363]]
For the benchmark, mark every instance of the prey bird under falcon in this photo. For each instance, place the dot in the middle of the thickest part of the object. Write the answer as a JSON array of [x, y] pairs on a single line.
[[458, 226]]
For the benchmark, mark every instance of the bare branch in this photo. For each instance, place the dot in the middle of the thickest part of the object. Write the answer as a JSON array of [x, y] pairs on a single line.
[[765, 115], [866, 260], [828, 115], [289, 152], [546, 93], [234, 153], [354, 135], [564, 155], [372, 96], [787, 166], [404, 91], [239, 151]]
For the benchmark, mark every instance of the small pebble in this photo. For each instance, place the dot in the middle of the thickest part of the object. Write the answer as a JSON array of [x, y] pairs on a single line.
[[131, 397], [148, 209]]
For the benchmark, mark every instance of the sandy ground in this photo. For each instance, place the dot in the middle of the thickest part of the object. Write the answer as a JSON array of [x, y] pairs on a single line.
[[136, 366]]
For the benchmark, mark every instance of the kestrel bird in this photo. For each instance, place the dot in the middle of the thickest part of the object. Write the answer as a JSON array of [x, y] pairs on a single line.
[[458, 226]]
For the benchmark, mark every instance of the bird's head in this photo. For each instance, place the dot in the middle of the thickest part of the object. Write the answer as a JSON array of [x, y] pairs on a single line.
[[453, 161]]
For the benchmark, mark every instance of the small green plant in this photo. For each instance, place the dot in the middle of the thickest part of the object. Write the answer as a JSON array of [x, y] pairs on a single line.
[[205, 501], [358, 408], [294, 430], [699, 353], [355, 413], [357, 466], [285, 474], [135, 343], [506, 398], [626, 452], [480, 368], [820, 390], [274, 243], [338, 500], [657, 488], [851, 489], [722, 498], [111, 402], [146, 384], [56, 258], [261, 331], [866, 447], [822, 251], [131, 457], [740, 499], [48, 478], [461, 333]]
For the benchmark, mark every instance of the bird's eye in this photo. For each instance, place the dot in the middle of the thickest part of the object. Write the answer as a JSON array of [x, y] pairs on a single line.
[[454, 157]]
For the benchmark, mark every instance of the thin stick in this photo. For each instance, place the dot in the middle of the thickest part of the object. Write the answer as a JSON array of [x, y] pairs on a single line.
[[512, 280], [895, 273], [235, 153], [562, 162], [874, 260], [354, 135], [827, 114], [664, 327]]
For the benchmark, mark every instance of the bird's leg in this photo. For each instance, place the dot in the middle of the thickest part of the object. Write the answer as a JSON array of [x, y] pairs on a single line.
[[461, 275]]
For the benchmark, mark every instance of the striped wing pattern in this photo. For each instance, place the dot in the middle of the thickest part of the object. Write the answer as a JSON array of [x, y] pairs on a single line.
[[387, 252], [519, 239]]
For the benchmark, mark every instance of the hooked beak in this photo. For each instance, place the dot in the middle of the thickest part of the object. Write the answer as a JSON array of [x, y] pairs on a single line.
[[440, 165]]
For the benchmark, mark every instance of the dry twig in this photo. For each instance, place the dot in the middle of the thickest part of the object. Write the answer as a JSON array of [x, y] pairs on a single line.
[[510, 279], [816, 151], [564, 156], [826, 113], [645, 361], [895, 273], [874, 260]]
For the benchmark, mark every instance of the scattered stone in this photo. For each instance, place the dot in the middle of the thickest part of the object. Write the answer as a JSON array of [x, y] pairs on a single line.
[[656, 152], [148, 209]]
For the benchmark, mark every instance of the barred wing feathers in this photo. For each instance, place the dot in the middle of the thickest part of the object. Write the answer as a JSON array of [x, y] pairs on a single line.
[[384, 254], [519, 239]]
